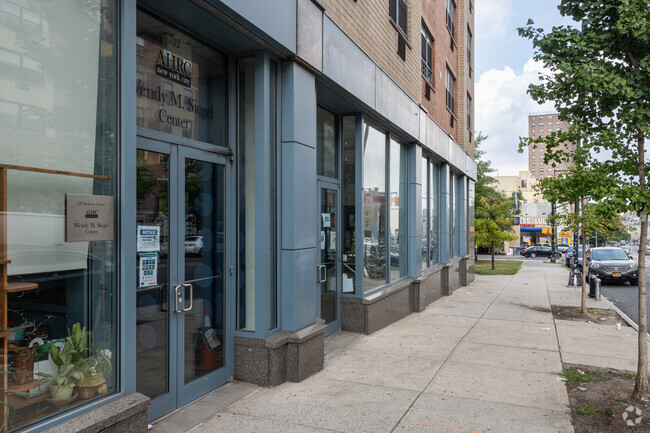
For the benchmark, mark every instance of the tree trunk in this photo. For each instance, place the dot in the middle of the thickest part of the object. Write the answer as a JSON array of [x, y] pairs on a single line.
[[583, 298], [641, 387], [492, 251]]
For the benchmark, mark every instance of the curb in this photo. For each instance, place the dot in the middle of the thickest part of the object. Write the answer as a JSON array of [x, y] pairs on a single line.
[[623, 315]]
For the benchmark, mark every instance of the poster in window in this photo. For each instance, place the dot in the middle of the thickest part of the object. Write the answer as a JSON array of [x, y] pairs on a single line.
[[148, 239], [148, 269]]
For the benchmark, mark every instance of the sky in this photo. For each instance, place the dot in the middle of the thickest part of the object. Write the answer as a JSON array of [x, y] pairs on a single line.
[[504, 67]]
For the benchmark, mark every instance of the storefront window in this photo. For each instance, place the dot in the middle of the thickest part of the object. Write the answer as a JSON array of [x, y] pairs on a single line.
[[434, 207], [398, 211], [374, 208], [326, 147], [425, 212], [58, 206], [181, 83], [348, 135]]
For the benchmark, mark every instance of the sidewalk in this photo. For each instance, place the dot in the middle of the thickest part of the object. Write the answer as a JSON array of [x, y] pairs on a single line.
[[481, 360]]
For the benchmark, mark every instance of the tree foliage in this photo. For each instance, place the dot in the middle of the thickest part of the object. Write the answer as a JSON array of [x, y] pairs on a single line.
[[493, 222], [598, 78], [484, 181]]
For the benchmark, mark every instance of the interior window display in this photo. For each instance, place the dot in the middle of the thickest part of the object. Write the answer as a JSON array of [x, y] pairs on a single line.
[[58, 213]]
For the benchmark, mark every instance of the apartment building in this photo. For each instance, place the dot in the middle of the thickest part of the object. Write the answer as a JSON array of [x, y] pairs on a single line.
[[541, 125], [204, 190]]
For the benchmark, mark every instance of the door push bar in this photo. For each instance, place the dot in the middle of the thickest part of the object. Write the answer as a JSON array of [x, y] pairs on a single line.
[[178, 296], [322, 273]]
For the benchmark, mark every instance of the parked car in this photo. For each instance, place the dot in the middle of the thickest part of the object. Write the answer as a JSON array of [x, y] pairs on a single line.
[[612, 265], [539, 251], [524, 248], [562, 248], [194, 245], [627, 250], [568, 257]]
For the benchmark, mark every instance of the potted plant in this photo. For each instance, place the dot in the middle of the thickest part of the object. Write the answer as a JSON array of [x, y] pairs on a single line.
[[92, 371]]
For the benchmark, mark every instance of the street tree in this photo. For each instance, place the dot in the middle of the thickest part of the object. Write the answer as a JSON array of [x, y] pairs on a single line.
[[493, 222], [598, 78], [484, 186]]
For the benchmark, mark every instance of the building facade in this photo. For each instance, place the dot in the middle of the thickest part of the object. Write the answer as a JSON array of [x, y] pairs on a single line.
[[541, 125], [202, 191]]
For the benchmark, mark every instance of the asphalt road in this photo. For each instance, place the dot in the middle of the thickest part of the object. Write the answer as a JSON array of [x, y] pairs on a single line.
[[626, 297]]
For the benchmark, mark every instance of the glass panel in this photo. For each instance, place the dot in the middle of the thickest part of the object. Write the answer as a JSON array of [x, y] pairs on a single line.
[[327, 163], [246, 196], [328, 250], [434, 209], [348, 135], [65, 123], [398, 211], [152, 295], [425, 212], [204, 268], [374, 208], [183, 91]]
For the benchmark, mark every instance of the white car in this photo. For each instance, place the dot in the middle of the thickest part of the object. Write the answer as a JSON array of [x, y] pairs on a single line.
[[194, 245]]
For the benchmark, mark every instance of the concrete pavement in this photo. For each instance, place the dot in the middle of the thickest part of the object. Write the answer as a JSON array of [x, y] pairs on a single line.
[[481, 360]]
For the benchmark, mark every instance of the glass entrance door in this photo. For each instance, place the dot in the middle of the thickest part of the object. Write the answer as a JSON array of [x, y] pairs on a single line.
[[329, 267], [182, 346]]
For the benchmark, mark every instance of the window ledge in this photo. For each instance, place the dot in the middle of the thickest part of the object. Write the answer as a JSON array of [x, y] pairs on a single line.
[[404, 35]]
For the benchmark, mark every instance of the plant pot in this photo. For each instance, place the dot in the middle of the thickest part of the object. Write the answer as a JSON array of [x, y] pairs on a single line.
[[93, 381], [61, 392], [86, 392]]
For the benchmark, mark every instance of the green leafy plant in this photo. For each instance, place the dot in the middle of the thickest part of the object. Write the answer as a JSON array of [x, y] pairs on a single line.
[[585, 410], [576, 376]]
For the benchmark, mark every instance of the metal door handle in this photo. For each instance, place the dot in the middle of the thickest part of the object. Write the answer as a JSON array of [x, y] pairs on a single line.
[[178, 297], [322, 273]]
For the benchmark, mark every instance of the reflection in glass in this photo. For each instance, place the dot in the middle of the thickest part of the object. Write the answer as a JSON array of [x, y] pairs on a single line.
[[398, 211], [181, 83], [425, 212], [326, 147], [328, 249], [58, 124], [204, 268], [374, 208], [434, 199], [348, 135], [152, 294]]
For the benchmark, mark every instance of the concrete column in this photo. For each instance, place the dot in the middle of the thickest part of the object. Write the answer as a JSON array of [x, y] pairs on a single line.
[[445, 213], [299, 213]]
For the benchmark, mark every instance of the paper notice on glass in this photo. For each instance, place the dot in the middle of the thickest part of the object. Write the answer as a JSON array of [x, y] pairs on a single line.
[[148, 269], [148, 239], [326, 220], [332, 240], [322, 240]]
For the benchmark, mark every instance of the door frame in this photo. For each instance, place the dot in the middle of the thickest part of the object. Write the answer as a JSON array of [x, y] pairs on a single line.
[[179, 393], [335, 325]]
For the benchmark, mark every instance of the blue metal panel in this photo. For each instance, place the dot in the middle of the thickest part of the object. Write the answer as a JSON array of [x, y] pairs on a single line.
[[276, 18], [310, 33], [128, 218], [444, 216], [347, 65], [299, 294], [298, 105], [394, 104]]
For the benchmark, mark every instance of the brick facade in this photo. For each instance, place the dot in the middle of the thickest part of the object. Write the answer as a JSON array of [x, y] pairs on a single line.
[[368, 24]]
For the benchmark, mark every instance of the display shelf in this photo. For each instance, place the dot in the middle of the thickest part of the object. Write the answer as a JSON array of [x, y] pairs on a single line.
[[4, 261], [18, 402], [20, 287], [4, 334], [24, 387]]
